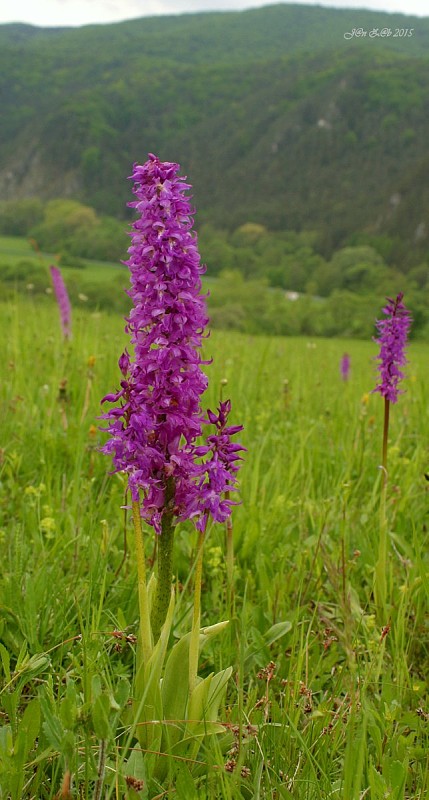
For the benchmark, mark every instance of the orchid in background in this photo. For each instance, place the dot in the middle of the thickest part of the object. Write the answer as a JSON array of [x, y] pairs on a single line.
[[62, 300], [345, 366], [393, 335], [155, 437], [393, 332]]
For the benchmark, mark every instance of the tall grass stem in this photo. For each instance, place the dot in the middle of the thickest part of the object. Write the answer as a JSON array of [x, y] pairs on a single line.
[[380, 585], [165, 571], [229, 562]]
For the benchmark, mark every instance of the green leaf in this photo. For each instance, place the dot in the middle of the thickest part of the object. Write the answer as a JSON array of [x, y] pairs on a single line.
[[375, 733], [377, 784], [10, 630], [96, 687], [123, 691], [52, 726], [277, 631], [6, 742], [68, 707], [204, 705], [100, 716], [22, 657], [175, 684], [31, 667], [149, 675], [147, 707], [199, 702], [121, 621], [151, 590], [185, 783], [216, 690], [30, 723], [5, 660], [213, 630], [396, 776], [135, 766], [132, 794], [26, 736], [68, 746]]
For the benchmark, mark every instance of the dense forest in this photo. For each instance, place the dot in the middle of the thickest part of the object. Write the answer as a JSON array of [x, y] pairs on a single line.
[[307, 152], [276, 118]]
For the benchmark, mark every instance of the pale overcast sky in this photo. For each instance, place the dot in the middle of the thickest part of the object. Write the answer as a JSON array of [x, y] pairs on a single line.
[[84, 12]]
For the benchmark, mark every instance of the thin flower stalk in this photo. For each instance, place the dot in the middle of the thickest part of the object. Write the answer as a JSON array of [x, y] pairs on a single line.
[[393, 332], [229, 534], [101, 769], [63, 400]]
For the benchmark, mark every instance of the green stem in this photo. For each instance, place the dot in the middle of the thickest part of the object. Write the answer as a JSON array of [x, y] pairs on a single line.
[[165, 564], [101, 769], [380, 586], [385, 437], [194, 644], [229, 562], [145, 629]]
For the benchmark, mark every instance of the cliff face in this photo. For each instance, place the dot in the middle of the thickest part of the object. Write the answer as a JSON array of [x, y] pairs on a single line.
[[29, 174]]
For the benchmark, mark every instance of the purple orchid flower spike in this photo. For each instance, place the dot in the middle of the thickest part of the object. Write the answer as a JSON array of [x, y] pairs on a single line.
[[393, 334], [158, 419], [220, 469], [62, 300], [345, 367]]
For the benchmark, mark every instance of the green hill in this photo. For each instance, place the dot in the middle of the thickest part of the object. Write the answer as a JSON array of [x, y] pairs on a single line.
[[273, 114]]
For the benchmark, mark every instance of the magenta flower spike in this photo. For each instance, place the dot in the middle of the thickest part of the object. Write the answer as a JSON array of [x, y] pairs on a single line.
[[219, 469], [62, 300], [393, 334], [345, 367], [157, 418]]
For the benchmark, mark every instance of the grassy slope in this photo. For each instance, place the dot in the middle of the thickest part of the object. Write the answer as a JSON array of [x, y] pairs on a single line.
[[343, 716], [14, 249]]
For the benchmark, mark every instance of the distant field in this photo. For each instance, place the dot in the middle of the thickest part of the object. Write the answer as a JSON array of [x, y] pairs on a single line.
[[14, 249]]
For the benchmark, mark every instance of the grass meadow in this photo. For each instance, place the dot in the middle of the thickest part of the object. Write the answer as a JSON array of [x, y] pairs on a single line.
[[328, 698]]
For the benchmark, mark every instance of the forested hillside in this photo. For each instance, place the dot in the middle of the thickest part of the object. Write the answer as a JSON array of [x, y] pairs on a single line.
[[276, 118]]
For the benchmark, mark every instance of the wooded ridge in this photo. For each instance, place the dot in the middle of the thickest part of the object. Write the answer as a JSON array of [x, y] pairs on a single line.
[[275, 117]]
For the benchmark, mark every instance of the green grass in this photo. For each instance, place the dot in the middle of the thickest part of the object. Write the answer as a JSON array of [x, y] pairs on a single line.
[[14, 249], [343, 713]]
